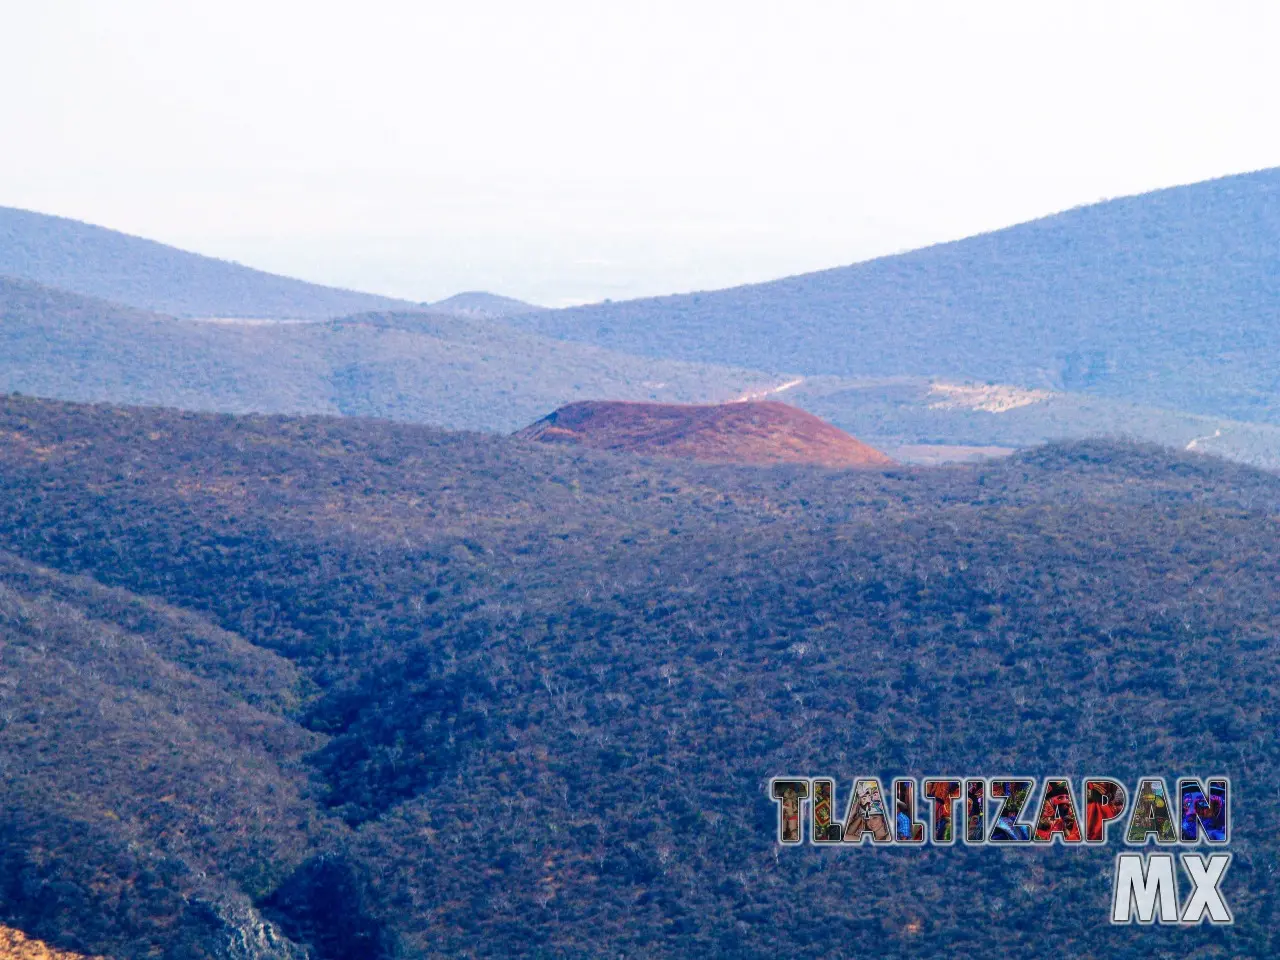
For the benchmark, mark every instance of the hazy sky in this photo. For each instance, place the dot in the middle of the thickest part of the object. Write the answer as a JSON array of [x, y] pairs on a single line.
[[565, 151]]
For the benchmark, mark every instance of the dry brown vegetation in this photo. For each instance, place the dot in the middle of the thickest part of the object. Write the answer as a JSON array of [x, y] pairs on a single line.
[[15, 945], [749, 432]]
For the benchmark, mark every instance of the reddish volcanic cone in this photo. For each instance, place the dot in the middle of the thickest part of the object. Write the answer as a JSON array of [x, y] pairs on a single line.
[[760, 432]]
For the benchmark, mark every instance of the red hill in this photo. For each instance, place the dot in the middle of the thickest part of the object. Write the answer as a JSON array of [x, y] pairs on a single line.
[[760, 432]]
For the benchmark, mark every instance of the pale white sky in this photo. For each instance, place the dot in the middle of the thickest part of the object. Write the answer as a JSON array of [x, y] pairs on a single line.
[[565, 151]]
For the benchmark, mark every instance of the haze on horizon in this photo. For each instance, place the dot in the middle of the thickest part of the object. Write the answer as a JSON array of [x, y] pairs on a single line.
[[573, 151]]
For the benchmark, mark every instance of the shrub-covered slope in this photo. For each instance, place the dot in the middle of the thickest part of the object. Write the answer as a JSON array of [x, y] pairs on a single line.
[[539, 691], [151, 784], [1169, 299], [465, 373]]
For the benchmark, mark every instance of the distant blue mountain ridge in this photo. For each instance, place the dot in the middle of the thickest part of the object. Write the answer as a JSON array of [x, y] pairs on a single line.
[[1170, 298], [97, 262], [1166, 300]]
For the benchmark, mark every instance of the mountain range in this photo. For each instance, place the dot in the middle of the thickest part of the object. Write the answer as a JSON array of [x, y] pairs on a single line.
[[1168, 299], [1152, 317], [477, 303], [106, 264], [461, 372], [337, 627], [109, 265]]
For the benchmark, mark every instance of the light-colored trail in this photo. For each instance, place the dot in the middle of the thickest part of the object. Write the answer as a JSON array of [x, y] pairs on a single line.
[[1199, 440], [761, 394]]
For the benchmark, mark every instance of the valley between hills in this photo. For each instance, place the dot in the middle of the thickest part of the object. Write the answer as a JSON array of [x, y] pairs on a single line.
[[1160, 326], [340, 626]]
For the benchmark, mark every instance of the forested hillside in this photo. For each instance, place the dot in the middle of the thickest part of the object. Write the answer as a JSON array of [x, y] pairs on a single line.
[[1151, 317], [460, 372], [388, 691], [1169, 299], [475, 373]]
